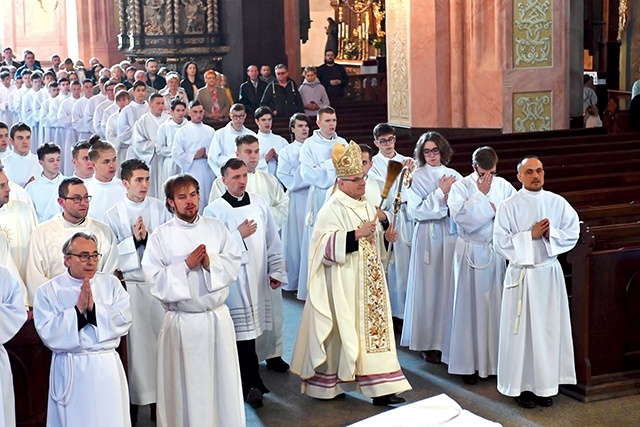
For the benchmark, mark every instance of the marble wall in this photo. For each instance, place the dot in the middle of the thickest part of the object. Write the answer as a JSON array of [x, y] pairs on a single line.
[[478, 63], [75, 28]]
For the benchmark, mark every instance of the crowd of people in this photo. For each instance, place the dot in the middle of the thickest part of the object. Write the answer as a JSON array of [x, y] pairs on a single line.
[[120, 171]]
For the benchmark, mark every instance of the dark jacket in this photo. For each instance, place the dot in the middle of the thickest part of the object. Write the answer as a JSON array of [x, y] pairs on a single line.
[[251, 96], [327, 73], [158, 83], [286, 101], [186, 85]]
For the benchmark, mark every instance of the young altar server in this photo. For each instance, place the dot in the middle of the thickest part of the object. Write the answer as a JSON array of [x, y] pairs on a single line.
[[145, 135], [270, 143], [132, 221], [318, 171], [223, 145], [130, 114], [43, 191], [105, 189], [164, 142], [478, 271], [190, 150], [289, 174]]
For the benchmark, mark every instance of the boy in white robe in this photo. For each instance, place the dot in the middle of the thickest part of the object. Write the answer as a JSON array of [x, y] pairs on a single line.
[[430, 288], [536, 349], [91, 109], [98, 114], [260, 182], [111, 109], [14, 99], [56, 135], [223, 144], [318, 171], [6, 88], [132, 221], [46, 127], [44, 189], [5, 148], [43, 259], [384, 138], [198, 377], [30, 108], [190, 150], [249, 219], [143, 141], [79, 121], [83, 167], [164, 142], [346, 341], [270, 143], [478, 272], [16, 103], [105, 189], [22, 166], [122, 100], [130, 114], [81, 315], [65, 132], [289, 174], [12, 317]]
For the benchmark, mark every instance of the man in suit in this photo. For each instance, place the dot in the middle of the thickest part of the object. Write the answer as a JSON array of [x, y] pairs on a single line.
[[252, 90]]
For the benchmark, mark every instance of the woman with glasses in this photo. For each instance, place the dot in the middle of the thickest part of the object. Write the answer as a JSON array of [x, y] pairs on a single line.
[[429, 305]]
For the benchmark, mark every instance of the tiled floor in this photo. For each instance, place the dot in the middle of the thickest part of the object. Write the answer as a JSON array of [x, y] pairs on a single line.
[[285, 406]]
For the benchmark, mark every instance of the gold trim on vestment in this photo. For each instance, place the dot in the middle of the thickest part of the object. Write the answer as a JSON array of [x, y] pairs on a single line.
[[376, 316]]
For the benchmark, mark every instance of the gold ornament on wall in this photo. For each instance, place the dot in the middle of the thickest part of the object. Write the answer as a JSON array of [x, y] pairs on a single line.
[[55, 5]]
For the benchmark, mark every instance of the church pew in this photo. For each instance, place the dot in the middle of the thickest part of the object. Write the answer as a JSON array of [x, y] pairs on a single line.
[[585, 198], [605, 312], [610, 214]]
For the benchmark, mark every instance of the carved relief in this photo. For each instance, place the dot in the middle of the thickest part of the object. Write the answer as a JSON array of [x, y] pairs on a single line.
[[532, 33], [193, 16], [532, 111], [155, 12], [398, 57]]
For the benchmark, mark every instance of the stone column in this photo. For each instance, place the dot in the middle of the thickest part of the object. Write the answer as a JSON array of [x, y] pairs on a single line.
[[478, 64], [97, 23]]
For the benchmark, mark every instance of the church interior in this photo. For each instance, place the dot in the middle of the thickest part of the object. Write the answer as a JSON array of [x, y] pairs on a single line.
[[506, 74]]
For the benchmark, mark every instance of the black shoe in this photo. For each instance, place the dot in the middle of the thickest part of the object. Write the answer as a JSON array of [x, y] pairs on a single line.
[[389, 399], [397, 325], [152, 412], [543, 401], [526, 400], [277, 364], [254, 398], [470, 379], [133, 414], [432, 356]]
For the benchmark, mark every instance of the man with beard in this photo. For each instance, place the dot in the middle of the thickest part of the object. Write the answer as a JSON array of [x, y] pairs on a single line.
[[198, 372], [333, 76]]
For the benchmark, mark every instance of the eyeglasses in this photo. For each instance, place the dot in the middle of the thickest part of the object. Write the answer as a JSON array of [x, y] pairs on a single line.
[[356, 180], [282, 73], [78, 199], [427, 152], [84, 257], [238, 116], [387, 141]]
